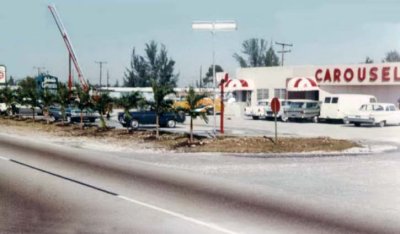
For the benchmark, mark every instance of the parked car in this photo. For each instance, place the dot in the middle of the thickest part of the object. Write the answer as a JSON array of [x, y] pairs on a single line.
[[337, 106], [168, 119], [379, 114], [285, 104], [302, 109], [74, 115], [258, 111], [27, 110]]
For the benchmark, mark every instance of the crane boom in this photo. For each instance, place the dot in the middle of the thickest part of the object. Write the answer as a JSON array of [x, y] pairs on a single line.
[[69, 46]]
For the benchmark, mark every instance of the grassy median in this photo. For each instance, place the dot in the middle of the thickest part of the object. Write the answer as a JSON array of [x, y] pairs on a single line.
[[179, 142]]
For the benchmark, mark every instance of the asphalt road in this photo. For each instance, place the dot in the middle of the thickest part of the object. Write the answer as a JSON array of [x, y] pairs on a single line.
[[53, 189]]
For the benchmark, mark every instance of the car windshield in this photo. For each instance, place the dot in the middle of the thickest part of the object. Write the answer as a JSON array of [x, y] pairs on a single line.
[[297, 104]]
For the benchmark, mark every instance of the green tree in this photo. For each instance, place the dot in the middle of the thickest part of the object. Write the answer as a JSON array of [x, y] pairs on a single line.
[[256, 54], [193, 99], [160, 104], [392, 57], [368, 60], [128, 102], [102, 105], [11, 81], [29, 94], [208, 79], [83, 101], [156, 65], [63, 99], [47, 98], [8, 97], [271, 59]]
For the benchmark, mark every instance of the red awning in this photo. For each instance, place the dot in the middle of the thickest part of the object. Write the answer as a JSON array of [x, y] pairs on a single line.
[[302, 84], [238, 84]]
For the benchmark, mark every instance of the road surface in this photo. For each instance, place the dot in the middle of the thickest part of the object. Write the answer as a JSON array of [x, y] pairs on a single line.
[[54, 189]]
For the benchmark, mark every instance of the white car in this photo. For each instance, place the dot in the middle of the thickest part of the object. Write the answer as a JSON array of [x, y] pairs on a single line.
[[379, 114], [258, 111], [285, 104]]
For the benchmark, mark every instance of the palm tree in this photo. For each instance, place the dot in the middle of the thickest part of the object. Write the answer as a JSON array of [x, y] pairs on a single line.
[[7, 95], [160, 104], [192, 100], [63, 99], [83, 101], [102, 104], [47, 98], [128, 102]]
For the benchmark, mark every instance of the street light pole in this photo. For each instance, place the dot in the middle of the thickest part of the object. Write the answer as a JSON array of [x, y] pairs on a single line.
[[214, 26]]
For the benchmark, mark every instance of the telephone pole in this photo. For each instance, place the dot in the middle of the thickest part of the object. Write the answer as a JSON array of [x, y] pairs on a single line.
[[283, 51], [101, 68]]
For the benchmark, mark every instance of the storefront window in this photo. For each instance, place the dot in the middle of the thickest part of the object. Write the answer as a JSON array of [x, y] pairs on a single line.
[[262, 94], [280, 93]]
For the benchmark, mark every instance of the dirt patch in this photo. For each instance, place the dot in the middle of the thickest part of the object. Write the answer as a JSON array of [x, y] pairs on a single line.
[[177, 142]]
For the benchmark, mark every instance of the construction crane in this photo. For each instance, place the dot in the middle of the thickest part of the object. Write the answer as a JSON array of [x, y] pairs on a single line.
[[72, 55]]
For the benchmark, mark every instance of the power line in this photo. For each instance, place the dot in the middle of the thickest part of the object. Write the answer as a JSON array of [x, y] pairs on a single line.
[[283, 51]]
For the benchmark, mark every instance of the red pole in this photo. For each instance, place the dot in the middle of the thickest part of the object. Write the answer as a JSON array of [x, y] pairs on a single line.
[[222, 108], [69, 76]]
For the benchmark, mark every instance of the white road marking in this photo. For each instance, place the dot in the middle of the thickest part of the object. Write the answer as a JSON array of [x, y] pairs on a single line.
[[4, 158], [181, 216], [198, 222]]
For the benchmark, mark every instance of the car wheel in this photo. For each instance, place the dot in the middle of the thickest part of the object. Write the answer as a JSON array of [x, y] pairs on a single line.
[[357, 124], [256, 117], [210, 111], [92, 120], [382, 124], [171, 123], [134, 124]]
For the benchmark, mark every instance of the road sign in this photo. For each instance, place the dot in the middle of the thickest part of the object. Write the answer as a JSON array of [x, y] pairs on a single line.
[[275, 105]]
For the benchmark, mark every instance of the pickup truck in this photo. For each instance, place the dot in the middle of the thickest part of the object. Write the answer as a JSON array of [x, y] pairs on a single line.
[[258, 111], [168, 119]]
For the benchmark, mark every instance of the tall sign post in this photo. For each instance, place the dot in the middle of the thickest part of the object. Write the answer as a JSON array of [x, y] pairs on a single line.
[[213, 27], [275, 107], [3, 78]]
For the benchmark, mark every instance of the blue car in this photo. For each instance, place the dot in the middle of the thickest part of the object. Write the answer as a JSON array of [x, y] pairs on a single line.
[[73, 114], [168, 119]]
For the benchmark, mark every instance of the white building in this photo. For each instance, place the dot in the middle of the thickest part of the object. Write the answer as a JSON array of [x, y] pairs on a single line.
[[315, 82]]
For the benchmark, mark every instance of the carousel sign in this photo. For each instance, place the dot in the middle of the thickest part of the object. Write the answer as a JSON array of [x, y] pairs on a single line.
[[359, 75]]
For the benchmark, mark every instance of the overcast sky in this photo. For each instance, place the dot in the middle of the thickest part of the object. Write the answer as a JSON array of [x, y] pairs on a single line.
[[323, 32]]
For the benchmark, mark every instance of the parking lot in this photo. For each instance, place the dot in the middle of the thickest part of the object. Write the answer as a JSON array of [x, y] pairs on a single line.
[[243, 126]]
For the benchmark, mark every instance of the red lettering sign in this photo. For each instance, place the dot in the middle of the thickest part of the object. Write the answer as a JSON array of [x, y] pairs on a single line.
[[317, 75], [385, 74], [336, 75], [396, 75], [361, 74], [348, 74], [327, 76], [373, 76]]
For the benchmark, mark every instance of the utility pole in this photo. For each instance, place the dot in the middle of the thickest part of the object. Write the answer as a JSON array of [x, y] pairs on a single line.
[[101, 68], [283, 51], [108, 77]]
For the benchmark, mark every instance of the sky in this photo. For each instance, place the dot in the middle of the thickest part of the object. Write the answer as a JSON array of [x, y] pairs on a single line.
[[322, 33]]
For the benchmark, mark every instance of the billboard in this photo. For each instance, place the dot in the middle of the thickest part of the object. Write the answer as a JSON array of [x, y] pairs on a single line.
[[2, 74]]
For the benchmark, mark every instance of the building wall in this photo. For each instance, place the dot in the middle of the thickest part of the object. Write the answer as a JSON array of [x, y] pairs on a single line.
[[381, 80], [270, 78]]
